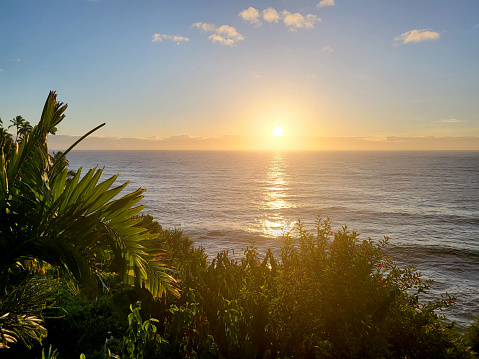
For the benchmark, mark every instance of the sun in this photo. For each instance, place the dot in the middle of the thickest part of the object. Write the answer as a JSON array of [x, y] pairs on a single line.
[[278, 131]]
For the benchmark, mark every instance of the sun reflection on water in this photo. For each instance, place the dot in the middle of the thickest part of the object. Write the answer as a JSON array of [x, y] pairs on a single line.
[[275, 198]]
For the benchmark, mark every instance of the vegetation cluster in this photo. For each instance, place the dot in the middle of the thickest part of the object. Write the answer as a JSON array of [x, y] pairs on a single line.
[[83, 275]]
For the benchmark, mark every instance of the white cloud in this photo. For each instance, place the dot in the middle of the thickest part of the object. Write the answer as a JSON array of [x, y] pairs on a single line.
[[176, 38], [224, 35], [328, 49], [270, 15], [451, 120], [297, 21], [416, 36], [292, 21], [251, 15], [215, 38], [229, 31], [324, 3]]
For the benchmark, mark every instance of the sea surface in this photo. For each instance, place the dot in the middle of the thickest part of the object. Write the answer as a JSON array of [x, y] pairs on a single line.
[[427, 203]]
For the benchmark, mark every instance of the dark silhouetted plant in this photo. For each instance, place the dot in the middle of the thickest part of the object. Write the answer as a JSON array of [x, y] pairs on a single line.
[[82, 226]]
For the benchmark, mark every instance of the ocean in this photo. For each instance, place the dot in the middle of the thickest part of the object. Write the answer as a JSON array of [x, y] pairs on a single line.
[[427, 203]]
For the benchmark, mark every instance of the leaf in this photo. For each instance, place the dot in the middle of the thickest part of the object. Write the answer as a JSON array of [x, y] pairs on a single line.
[[70, 224]]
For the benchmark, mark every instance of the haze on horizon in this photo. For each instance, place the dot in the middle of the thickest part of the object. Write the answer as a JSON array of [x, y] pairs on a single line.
[[223, 74]]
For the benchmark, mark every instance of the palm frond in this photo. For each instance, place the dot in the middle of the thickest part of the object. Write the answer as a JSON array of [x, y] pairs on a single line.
[[69, 223], [22, 310]]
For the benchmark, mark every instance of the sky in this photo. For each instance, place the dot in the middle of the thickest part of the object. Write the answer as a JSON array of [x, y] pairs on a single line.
[[362, 74]]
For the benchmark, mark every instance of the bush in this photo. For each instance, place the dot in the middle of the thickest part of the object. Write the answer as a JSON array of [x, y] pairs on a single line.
[[472, 336], [330, 295], [326, 296]]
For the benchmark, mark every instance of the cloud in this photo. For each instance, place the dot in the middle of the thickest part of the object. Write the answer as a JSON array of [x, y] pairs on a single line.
[[270, 15], [416, 36], [251, 15], [224, 35], [176, 38], [204, 27], [328, 49], [451, 120], [215, 38], [297, 21], [324, 3], [292, 21]]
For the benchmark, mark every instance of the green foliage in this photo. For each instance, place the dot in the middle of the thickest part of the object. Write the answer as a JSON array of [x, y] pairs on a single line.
[[76, 224], [188, 333], [80, 226], [23, 309], [6, 140], [50, 354], [330, 295], [84, 325], [472, 336], [142, 336]]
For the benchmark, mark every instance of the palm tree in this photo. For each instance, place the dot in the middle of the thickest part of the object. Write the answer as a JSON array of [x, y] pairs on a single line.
[[17, 122], [24, 129], [4, 133], [5, 136], [72, 225]]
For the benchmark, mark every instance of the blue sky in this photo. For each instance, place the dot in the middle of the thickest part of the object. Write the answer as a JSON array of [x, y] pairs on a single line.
[[353, 68]]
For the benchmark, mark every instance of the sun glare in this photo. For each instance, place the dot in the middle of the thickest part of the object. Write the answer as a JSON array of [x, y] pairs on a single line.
[[278, 131]]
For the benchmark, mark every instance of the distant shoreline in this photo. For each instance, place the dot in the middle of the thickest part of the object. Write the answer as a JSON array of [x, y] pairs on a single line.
[[267, 143]]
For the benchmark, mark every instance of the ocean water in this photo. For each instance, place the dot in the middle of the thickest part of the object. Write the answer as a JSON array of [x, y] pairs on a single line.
[[427, 203]]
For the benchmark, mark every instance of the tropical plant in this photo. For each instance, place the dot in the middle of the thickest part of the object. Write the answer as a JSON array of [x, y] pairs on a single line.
[[5, 137], [24, 129], [23, 308], [331, 295], [81, 226], [142, 336], [52, 353], [17, 122], [472, 336]]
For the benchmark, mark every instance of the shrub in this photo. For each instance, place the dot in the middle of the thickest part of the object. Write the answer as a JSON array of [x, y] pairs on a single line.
[[472, 336], [330, 295], [326, 296]]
